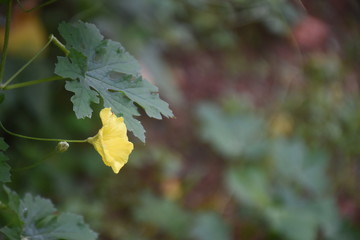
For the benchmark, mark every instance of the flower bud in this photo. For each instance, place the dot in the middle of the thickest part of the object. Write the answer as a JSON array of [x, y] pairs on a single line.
[[62, 147]]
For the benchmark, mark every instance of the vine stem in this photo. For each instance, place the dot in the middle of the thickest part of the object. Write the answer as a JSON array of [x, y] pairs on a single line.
[[28, 63], [42, 139], [6, 40], [29, 83], [36, 7], [52, 39]]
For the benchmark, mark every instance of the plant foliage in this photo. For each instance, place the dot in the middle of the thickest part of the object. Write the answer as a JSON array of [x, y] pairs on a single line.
[[101, 68], [39, 219]]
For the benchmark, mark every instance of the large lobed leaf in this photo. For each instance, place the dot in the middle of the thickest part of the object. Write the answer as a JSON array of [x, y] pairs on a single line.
[[100, 68], [4, 167], [38, 219]]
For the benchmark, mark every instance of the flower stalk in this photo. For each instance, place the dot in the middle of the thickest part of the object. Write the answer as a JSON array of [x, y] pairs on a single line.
[[40, 139]]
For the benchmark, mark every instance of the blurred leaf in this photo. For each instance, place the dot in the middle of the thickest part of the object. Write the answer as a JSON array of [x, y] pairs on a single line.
[[164, 214], [40, 220], [231, 133], [103, 67], [249, 185], [329, 217], [3, 145], [294, 224], [296, 164], [303, 222], [210, 226], [11, 233], [4, 167]]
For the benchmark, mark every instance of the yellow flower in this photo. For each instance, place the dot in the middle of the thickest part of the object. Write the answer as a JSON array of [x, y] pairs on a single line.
[[111, 142]]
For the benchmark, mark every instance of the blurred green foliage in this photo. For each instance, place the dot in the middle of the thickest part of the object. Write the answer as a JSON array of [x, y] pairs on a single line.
[[265, 140]]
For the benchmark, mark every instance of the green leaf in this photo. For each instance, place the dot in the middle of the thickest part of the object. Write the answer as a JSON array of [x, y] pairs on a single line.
[[232, 133], [82, 99], [11, 233], [102, 68], [210, 226], [293, 223], [40, 220], [250, 186], [3, 145], [164, 214], [4, 167], [295, 163]]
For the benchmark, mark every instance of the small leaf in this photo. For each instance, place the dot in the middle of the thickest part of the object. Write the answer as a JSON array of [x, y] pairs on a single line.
[[103, 68]]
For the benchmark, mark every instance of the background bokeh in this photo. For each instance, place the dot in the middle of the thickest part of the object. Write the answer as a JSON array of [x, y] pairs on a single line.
[[265, 143]]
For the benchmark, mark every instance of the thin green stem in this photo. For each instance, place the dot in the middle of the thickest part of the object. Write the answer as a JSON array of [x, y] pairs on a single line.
[[36, 7], [28, 63], [33, 82], [6, 40], [41, 139]]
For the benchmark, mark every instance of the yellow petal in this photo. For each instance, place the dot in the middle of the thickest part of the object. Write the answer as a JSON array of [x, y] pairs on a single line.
[[112, 142]]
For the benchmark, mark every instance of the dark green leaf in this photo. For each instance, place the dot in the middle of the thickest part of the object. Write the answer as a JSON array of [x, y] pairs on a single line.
[[3, 145], [11, 233], [40, 220], [100, 67], [13, 199]]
